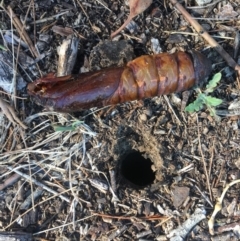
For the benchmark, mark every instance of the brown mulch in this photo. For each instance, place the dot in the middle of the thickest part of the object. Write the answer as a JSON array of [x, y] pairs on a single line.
[[95, 182]]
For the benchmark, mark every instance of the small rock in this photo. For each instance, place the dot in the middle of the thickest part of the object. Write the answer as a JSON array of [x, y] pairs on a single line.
[[143, 117], [155, 45], [205, 130], [237, 163], [202, 2], [132, 27], [179, 195], [175, 39]]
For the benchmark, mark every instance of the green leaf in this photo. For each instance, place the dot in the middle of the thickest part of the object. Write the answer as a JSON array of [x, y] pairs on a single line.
[[198, 103], [204, 99], [63, 128], [195, 106], [2, 47], [212, 101], [212, 111], [73, 127], [77, 123], [190, 108], [213, 83]]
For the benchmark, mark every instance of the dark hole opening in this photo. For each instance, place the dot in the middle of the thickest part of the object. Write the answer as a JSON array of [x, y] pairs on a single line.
[[137, 170]]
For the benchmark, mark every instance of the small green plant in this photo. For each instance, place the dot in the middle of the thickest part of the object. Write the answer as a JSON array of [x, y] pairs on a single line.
[[2, 47], [204, 99], [72, 127]]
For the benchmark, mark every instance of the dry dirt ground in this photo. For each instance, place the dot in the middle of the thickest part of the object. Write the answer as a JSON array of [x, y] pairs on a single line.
[[142, 170]]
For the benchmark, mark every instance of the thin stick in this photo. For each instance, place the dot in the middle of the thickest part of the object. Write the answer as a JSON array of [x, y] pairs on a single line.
[[195, 34], [53, 17], [10, 181], [34, 20], [114, 198], [103, 4], [64, 225], [170, 106], [211, 159], [203, 161], [29, 167], [13, 89], [45, 200], [205, 6], [23, 35], [39, 184], [213, 43], [10, 114], [150, 218], [218, 206], [79, 3], [18, 25]]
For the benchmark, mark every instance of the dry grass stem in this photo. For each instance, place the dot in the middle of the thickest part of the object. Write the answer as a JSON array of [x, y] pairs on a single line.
[[30, 179], [22, 32], [218, 206], [37, 204], [170, 106], [65, 225], [132, 218], [203, 161], [10, 114]]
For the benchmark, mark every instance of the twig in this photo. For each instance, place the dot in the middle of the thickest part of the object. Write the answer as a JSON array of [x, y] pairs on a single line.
[[64, 225], [28, 201], [43, 20], [195, 34], [149, 218], [163, 221], [30, 170], [211, 159], [182, 231], [170, 106], [39, 184], [202, 194], [14, 81], [229, 227], [113, 184], [45, 200], [103, 4], [114, 198], [10, 114], [11, 180], [205, 6], [213, 43], [79, 3], [23, 34], [76, 197], [203, 161], [186, 169], [20, 41], [117, 233], [218, 206], [20, 28]]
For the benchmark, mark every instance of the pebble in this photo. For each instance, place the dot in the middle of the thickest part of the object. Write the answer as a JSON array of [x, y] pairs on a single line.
[[202, 2]]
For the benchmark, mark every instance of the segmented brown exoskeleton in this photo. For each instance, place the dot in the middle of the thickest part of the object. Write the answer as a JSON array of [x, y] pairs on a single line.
[[145, 76]]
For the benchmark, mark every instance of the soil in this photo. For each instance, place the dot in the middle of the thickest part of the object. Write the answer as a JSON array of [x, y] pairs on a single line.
[[141, 170]]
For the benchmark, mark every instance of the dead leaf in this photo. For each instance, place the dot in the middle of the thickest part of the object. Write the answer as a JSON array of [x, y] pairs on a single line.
[[179, 195], [227, 12], [136, 7], [63, 31]]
